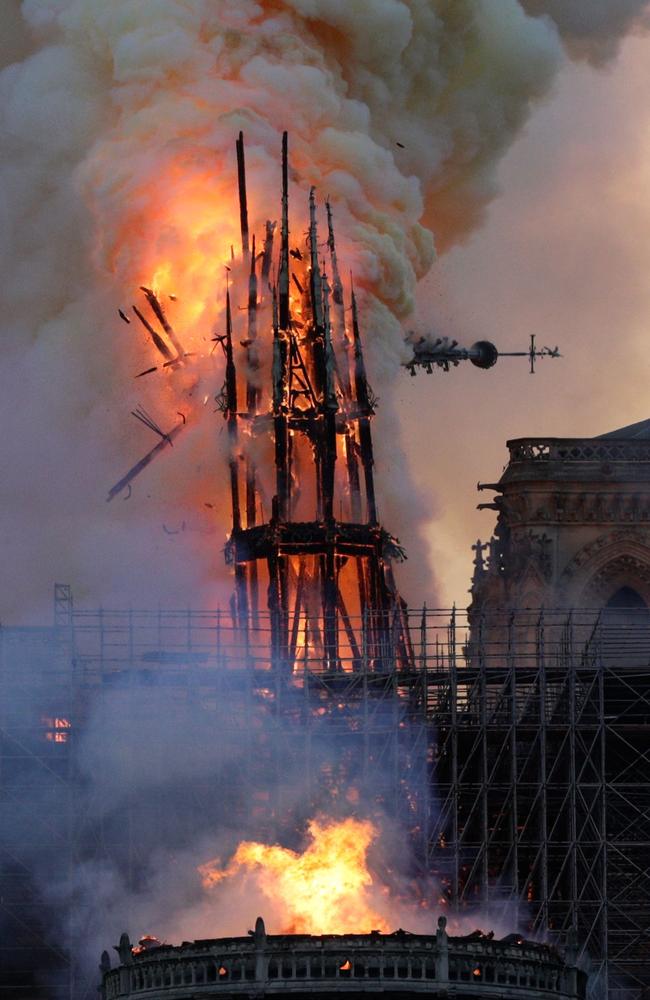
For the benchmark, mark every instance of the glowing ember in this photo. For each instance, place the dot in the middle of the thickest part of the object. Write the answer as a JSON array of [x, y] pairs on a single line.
[[324, 890], [58, 730], [146, 943]]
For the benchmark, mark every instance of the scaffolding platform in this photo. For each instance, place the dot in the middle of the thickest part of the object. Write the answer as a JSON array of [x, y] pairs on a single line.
[[513, 752]]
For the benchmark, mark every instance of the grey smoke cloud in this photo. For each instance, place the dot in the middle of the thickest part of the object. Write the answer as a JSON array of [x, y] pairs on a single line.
[[592, 30]]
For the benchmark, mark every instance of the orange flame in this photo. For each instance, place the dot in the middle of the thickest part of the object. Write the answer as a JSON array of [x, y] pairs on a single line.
[[324, 890], [58, 730], [146, 943]]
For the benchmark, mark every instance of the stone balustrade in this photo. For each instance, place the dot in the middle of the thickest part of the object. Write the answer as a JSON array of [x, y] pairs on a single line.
[[582, 450], [474, 966]]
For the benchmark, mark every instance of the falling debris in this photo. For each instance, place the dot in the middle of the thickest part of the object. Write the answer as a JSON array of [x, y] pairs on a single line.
[[124, 316], [161, 316], [158, 341], [141, 414], [174, 531], [166, 438], [176, 361]]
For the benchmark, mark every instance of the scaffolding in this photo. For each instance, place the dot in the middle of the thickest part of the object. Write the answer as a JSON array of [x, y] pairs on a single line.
[[514, 754], [542, 777]]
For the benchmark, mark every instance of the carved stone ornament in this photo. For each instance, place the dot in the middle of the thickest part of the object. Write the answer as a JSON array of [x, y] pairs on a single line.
[[614, 559], [614, 540], [530, 551], [626, 570]]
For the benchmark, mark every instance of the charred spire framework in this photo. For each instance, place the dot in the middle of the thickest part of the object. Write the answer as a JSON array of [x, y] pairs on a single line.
[[323, 571]]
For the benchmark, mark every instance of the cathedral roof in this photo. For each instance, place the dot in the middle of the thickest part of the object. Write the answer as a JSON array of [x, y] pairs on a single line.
[[639, 431]]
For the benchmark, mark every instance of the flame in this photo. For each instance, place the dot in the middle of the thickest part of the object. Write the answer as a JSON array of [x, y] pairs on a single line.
[[324, 890], [146, 943], [162, 277], [58, 729]]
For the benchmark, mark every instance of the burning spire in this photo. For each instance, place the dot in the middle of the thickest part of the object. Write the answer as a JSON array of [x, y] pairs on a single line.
[[325, 559], [321, 556]]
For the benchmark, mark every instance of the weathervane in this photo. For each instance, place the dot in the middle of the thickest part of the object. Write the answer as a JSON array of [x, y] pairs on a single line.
[[443, 353]]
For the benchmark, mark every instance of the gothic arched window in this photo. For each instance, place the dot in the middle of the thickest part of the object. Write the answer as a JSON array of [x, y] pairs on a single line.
[[626, 598]]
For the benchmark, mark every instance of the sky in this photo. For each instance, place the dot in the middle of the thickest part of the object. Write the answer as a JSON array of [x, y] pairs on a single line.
[[563, 254]]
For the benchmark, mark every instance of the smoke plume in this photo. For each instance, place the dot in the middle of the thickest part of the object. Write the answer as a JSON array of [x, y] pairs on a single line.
[[592, 30], [119, 122]]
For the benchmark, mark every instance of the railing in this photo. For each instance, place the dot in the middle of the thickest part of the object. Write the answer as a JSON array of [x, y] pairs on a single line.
[[577, 450], [397, 962], [168, 643]]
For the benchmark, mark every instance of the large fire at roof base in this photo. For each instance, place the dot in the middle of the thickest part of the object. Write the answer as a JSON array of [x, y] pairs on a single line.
[[260, 964]]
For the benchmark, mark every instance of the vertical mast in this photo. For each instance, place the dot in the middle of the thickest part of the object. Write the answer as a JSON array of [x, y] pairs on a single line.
[[268, 253], [324, 378], [252, 403], [231, 409], [281, 334], [316, 332], [314, 274], [363, 400], [323, 366], [281, 324], [252, 390], [283, 276], [243, 203], [352, 464], [231, 405], [330, 405], [276, 561], [331, 597], [279, 413], [339, 308]]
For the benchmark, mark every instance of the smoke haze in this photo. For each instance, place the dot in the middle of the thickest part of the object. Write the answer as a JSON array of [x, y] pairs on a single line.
[[118, 123], [562, 255]]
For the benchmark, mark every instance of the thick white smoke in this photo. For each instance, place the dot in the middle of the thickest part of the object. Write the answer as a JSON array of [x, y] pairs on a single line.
[[118, 122]]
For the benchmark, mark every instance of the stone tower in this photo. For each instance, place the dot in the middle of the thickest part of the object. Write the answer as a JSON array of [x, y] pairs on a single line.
[[573, 525]]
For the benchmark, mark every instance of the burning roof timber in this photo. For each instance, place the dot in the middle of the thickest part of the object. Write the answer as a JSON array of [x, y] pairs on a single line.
[[298, 408], [325, 556], [401, 963]]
